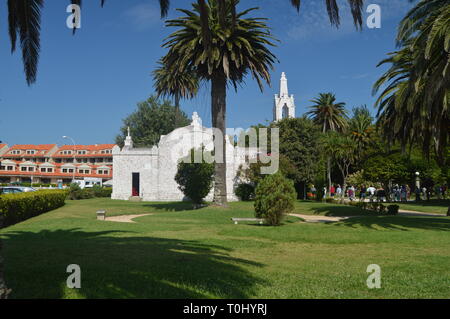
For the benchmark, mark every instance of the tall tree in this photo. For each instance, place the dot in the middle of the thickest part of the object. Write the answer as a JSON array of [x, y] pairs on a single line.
[[169, 82], [329, 115], [222, 47], [414, 104], [342, 150], [152, 119], [361, 129]]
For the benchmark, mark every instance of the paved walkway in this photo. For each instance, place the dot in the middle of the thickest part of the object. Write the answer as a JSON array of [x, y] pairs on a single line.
[[124, 218]]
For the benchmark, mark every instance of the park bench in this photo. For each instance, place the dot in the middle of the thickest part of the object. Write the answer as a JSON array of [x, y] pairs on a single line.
[[237, 220], [101, 214]]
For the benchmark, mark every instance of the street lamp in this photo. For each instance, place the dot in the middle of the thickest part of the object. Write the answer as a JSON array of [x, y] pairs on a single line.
[[74, 151], [417, 186]]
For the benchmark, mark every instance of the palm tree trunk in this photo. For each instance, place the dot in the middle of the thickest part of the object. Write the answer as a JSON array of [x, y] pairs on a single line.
[[329, 174], [218, 112], [177, 111], [4, 291]]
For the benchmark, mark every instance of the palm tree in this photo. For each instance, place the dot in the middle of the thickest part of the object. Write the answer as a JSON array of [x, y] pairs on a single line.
[[361, 128], [330, 116], [222, 52], [169, 82], [343, 150], [414, 106]]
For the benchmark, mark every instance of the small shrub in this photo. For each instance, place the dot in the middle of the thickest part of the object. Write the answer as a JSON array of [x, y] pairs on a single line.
[[245, 191], [195, 180], [393, 209], [274, 197]]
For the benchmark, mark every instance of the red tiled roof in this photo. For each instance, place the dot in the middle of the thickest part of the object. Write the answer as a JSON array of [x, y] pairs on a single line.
[[3, 145], [89, 148], [97, 147], [42, 147]]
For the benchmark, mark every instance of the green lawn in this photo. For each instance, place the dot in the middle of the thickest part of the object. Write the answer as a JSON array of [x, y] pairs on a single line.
[[183, 253]]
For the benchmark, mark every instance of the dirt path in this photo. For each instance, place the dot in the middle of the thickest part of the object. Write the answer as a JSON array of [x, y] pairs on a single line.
[[124, 218], [414, 213], [321, 219]]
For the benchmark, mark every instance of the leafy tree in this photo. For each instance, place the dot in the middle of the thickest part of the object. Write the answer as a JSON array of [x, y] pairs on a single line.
[[300, 143], [275, 197], [152, 119], [220, 46], [195, 180]]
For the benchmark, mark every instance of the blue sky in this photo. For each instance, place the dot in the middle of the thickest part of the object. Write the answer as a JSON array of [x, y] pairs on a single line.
[[89, 82]]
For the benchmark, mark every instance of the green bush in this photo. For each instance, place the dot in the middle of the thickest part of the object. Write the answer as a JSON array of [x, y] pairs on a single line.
[[245, 191], [195, 180], [274, 197], [76, 193], [393, 209], [15, 208]]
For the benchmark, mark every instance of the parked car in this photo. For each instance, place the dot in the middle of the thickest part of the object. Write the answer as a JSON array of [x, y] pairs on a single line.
[[16, 189]]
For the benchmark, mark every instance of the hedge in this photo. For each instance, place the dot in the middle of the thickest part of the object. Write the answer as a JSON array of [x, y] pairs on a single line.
[[15, 208]]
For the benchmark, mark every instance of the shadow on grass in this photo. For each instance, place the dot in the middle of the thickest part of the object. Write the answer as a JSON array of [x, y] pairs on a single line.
[[171, 207], [403, 223], [113, 266]]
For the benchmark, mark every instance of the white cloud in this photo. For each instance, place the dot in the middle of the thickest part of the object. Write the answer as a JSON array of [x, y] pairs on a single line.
[[143, 16], [313, 22]]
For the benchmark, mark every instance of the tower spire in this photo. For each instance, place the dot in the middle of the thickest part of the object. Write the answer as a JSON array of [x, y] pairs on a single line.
[[283, 85], [284, 106]]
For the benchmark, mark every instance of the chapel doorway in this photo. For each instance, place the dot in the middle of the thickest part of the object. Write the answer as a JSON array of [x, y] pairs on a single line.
[[135, 185]]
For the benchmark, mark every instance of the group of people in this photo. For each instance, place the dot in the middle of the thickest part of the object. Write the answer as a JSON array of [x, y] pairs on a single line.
[[397, 193]]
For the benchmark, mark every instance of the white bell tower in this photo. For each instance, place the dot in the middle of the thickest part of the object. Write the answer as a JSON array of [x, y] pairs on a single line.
[[284, 106]]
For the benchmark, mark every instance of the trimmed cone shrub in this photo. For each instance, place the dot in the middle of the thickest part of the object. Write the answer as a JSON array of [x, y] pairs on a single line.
[[195, 180], [275, 197], [245, 192]]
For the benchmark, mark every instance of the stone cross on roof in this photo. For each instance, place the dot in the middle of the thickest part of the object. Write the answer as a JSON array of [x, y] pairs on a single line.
[[196, 120]]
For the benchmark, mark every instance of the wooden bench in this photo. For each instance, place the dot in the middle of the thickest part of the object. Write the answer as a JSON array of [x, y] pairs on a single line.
[[237, 220]]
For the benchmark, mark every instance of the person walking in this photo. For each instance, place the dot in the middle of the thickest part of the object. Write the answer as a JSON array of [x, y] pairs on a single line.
[[403, 194], [362, 193], [338, 191], [371, 191], [332, 190]]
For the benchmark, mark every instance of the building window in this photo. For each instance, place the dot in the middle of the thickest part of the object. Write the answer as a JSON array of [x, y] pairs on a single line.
[[43, 170], [31, 169], [31, 152], [23, 169], [10, 168], [2, 168]]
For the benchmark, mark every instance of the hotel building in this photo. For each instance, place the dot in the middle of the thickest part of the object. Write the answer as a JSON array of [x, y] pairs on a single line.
[[50, 164]]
